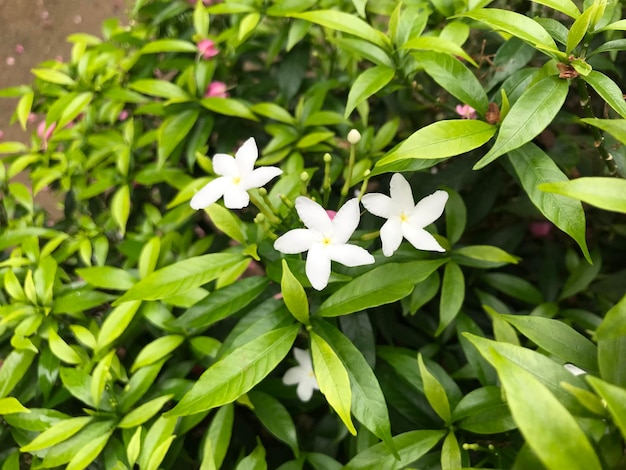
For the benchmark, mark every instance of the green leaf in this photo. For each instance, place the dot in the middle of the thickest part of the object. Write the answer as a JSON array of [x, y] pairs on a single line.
[[221, 303], [56, 433], [157, 350], [452, 296], [445, 46], [107, 277], [368, 83], [115, 323], [485, 254], [180, 277], [159, 88], [332, 379], [528, 116], [514, 286], [78, 383], [81, 448], [347, 23], [158, 454], [149, 257], [442, 139], [24, 107], [579, 28], [549, 429], [100, 377], [160, 434], [236, 373], [610, 359], [434, 391], [228, 107], [173, 131], [581, 276], [120, 207], [168, 45], [615, 399], [381, 285], [615, 127], [294, 295], [605, 193], [143, 413], [534, 168], [608, 91], [557, 338], [61, 349], [411, 446], [564, 6], [276, 419], [14, 367], [368, 401], [53, 76], [517, 25], [75, 107], [450, 453], [614, 324], [217, 438], [11, 405], [255, 460], [450, 73], [273, 111], [13, 147]]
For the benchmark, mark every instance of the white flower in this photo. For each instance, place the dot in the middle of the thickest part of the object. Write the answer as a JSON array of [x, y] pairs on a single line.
[[302, 375], [237, 175], [325, 239], [404, 219], [354, 137], [572, 369]]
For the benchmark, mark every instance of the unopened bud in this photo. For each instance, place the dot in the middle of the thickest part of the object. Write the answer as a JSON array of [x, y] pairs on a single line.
[[304, 177], [354, 136], [327, 158], [262, 192]]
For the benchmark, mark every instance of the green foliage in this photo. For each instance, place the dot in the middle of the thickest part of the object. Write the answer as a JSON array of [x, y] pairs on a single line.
[[136, 332]]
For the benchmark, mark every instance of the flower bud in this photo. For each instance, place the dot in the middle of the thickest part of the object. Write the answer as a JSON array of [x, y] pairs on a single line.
[[354, 136]]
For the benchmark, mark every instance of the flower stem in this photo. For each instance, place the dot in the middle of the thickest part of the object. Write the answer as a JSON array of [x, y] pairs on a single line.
[[348, 182], [263, 208]]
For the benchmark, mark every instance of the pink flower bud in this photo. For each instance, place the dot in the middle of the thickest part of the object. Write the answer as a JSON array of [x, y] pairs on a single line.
[[216, 90], [331, 214], [466, 111], [207, 48], [540, 229], [123, 115]]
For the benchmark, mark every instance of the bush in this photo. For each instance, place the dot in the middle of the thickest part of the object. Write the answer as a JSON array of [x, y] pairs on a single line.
[[138, 330]]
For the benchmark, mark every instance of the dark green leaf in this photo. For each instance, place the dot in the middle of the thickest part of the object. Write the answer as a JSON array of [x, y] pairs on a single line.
[[276, 419], [608, 91], [368, 83], [452, 295]]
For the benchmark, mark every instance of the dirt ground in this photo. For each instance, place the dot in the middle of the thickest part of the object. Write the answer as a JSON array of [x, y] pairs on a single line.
[[32, 31]]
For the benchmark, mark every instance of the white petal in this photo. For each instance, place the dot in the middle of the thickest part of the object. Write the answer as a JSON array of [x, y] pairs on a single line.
[[293, 376], [346, 221], [295, 241], [401, 192], [210, 193], [379, 205], [420, 238], [318, 266], [303, 357], [305, 390], [260, 177], [391, 236], [225, 165], [246, 156], [574, 369], [429, 209], [314, 216], [235, 197], [350, 255]]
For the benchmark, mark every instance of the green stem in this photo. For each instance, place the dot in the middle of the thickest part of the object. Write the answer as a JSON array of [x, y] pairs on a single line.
[[348, 183], [264, 210]]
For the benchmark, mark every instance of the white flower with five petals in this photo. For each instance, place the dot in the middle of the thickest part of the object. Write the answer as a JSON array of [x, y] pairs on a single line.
[[237, 176], [302, 375], [405, 219], [325, 239]]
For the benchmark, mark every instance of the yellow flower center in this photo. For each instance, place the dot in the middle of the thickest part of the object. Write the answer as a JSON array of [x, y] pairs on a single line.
[[404, 217], [236, 180]]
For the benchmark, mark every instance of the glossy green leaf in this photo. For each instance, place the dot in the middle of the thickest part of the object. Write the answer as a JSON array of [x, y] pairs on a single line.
[[14, 367], [74, 107], [144, 412], [411, 446], [221, 303], [368, 401], [615, 399], [236, 373], [53, 76], [564, 6], [158, 439], [158, 454], [608, 90], [56, 433], [276, 418], [450, 453], [61, 349], [557, 338], [120, 207], [453, 76], [614, 324], [81, 447], [12, 147], [227, 222], [517, 25], [100, 377], [273, 111], [615, 127], [157, 350], [78, 383], [610, 359], [534, 168], [528, 116], [255, 460], [549, 429], [89, 451], [11, 405], [332, 378], [486, 254], [581, 276], [381, 285], [115, 323], [294, 295], [434, 391], [173, 131], [160, 88], [217, 438], [24, 107], [605, 193], [442, 139], [368, 83], [346, 23], [180, 277], [107, 277], [579, 28], [439, 44], [168, 45], [149, 257], [483, 411], [452, 295], [514, 286], [228, 107]]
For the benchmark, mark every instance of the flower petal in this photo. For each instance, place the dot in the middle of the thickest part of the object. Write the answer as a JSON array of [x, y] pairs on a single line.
[[246, 156], [346, 221], [420, 238], [210, 193], [295, 241], [314, 216], [305, 390], [303, 356], [293, 376], [391, 236], [350, 255], [235, 197], [225, 165], [401, 192], [379, 204], [260, 177], [318, 266], [429, 209]]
